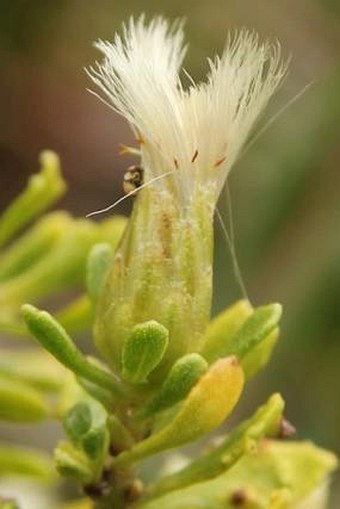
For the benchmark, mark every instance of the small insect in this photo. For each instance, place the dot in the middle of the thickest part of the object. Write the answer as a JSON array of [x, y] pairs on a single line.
[[133, 178]]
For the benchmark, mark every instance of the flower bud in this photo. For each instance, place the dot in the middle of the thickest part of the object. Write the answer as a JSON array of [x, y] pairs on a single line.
[[162, 271]]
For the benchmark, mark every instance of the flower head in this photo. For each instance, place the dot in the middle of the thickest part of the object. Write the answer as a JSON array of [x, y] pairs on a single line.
[[196, 133], [189, 139]]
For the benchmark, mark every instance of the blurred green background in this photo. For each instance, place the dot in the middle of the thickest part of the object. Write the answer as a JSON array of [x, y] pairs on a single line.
[[285, 189]]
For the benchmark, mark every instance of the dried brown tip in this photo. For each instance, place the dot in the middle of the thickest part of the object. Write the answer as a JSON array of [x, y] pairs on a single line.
[[286, 429], [123, 149]]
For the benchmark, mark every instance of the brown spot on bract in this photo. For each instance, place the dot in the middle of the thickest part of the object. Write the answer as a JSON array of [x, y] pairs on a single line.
[[238, 498], [219, 162], [194, 157], [166, 220]]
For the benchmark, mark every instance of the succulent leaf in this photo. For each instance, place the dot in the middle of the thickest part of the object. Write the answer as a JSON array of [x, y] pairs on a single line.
[[98, 263], [19, 402], [182, 376], [278, 476], [77, 421], [72, 463], [250, 335], [25, 461], [42, 190], [208, 403], [265, 422], [143, 350], [223, 327], [53, 337]]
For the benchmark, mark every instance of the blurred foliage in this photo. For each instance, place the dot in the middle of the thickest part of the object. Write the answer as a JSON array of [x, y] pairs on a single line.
[[21, 24], [284, 190]]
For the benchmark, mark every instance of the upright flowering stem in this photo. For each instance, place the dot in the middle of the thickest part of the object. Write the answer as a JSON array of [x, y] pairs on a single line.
[[189, 139], [175, 377]]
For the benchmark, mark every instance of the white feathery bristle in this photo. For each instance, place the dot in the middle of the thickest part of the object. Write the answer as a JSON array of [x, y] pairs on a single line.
[[198, 133]]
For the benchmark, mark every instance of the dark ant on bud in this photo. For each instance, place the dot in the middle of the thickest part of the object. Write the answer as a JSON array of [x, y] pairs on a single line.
[[133, 179]]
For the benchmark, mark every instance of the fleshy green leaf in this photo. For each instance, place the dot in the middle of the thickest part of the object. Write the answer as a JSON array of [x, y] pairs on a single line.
[[86, 423], [10, 325], [209, 402], [19, 402], [53, 337], [258, 357], [61, 267], [95, 442], [278, 476], [253, 340], [77, 421], [250, 335], [42, 190], [250, 343], [181, 378], [32, 366], [34, 245], [255, 329], [143, 350], [72, 463], [26, 462], [265, 422], [98, 263], [222, 328]]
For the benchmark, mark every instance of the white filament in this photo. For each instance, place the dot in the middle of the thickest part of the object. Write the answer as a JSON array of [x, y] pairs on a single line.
[[196, 133]]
